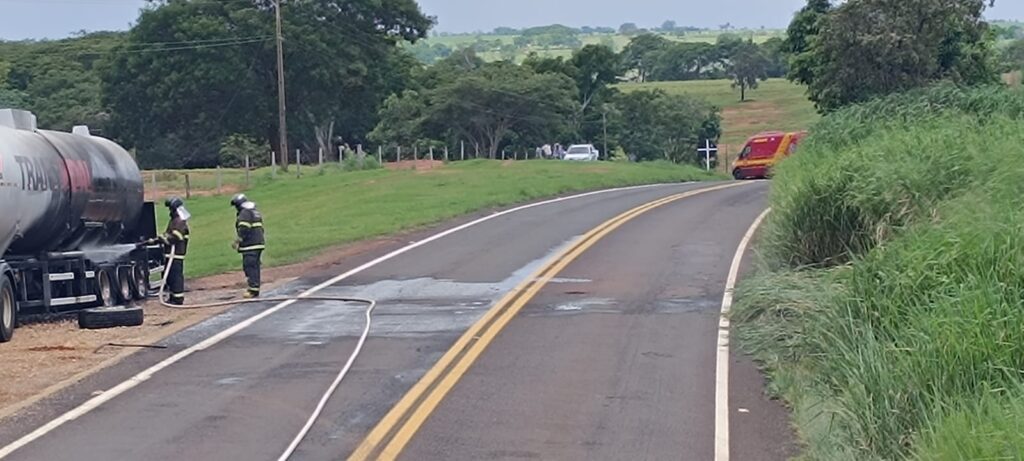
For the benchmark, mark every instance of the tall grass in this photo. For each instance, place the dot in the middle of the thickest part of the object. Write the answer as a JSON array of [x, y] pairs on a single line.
[[920, 320]]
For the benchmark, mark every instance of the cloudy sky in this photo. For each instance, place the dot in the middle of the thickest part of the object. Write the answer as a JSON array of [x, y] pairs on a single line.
[[22, 19]]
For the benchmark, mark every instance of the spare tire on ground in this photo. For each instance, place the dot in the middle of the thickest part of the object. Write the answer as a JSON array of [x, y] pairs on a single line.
[[110, 317]]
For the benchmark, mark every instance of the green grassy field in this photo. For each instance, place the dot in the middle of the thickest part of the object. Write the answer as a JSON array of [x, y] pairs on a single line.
[[776, 105], [320, 210]]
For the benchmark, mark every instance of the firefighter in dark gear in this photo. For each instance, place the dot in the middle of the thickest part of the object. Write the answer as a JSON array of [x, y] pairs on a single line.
[[250, 242], [176, 238]]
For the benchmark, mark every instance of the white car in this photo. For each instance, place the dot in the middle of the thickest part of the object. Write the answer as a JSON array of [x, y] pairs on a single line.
[[582, 153]]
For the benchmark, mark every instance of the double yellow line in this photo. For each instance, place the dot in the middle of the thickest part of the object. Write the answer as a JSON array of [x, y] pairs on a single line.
[[387, 440]]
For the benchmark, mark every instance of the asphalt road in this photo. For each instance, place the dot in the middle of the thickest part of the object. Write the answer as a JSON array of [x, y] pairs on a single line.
[[614, 359]]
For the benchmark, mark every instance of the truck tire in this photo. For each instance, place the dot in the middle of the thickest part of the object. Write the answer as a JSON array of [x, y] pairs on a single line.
[[105, 293], [110, 317], [124, 284], [140, 283], [8, 310]]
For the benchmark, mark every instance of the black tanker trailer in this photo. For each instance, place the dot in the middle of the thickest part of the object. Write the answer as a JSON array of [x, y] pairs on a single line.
[[72, 225]]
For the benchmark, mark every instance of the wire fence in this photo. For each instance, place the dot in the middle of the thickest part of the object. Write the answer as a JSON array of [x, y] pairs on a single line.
[[225, 181]]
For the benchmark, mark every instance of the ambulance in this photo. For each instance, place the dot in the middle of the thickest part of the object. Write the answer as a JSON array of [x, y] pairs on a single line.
[[763, 151]]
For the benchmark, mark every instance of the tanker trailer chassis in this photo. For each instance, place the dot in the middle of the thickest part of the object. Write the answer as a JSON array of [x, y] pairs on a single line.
[[101, 286], [72, 222]]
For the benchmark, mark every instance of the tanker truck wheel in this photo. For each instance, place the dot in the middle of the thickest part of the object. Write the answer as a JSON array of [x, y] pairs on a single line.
[[8, 311], [110, 317], [105, 288], [124, 284], [140, 283]]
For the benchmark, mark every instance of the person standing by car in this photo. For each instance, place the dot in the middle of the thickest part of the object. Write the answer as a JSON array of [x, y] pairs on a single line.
[[250, 242]]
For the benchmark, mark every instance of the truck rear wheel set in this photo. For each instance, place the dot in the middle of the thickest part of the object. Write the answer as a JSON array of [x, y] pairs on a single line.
[[114, 286]]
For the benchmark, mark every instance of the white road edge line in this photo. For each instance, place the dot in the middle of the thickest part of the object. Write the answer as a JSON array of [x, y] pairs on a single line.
[[148, 373], [722, 365]]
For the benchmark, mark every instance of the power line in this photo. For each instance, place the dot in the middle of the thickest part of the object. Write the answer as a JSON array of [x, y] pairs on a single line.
[[128, 50], [77, 42]]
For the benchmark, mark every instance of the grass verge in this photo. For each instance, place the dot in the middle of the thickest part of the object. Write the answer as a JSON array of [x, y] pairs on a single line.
[[890, 311], [330, 208]]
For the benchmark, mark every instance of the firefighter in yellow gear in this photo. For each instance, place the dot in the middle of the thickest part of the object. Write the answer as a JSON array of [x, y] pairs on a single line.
[[250, 242], [176, 238]]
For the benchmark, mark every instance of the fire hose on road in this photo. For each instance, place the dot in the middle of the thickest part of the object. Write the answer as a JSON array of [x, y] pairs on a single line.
[[370, 306]]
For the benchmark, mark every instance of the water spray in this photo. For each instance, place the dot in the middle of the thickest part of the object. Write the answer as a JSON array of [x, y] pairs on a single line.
[[109, 253]]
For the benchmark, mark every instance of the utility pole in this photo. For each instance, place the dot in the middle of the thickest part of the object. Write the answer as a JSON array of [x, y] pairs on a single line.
[[604, 121], [282, 122]]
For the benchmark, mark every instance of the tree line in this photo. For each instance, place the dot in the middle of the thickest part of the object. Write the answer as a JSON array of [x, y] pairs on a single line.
[[652, 57], [193, 84], [501, 105]]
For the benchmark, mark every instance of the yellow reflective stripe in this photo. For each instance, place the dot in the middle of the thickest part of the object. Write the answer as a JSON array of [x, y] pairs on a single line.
[[181, 257], [177, 296], [254, 290], [257, 224], [252, 248], [178, 234], [244, 224]]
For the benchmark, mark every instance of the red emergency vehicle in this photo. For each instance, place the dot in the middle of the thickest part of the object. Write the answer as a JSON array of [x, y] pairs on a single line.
[[763, 151]]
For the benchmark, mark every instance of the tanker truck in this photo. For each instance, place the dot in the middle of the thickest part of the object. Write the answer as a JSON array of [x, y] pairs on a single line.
[[73, 227]]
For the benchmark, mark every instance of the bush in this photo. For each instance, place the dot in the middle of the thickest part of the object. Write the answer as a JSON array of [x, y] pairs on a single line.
[[866, 171], [368, 162], [237, 146]]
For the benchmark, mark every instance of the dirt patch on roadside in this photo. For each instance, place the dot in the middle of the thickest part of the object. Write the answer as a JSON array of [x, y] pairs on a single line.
[[47, 355]]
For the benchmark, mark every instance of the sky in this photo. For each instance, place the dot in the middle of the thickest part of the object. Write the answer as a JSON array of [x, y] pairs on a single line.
[[39, 19]]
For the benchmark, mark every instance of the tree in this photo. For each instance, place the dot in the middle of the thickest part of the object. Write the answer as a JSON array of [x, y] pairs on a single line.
[[401, 120], [551, 65], [684, 61], [596, 68], [629, 28], [58, 80], [800, 36], [668, 26], [869, 48], [747, 68], [773, 50], [237, 147], [653, 125], [10, 98], [727, 44], [491, 105], [500, 100], [341, 62], [638, 54]]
